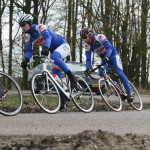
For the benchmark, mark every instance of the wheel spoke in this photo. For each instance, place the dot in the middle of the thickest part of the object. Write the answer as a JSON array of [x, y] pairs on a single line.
[[48, 100], [11, 102], [83, 97], [110, 95], [137, 102]]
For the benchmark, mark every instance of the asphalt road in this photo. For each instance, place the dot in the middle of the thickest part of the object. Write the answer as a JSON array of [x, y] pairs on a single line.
[[136, 122]]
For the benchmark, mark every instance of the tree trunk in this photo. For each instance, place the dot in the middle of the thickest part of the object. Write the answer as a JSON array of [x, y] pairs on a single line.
[[10, 37], [107, 19], [143, 43], [83, 25], [2, 6], [124, 41], [69, 26], [74, 29]]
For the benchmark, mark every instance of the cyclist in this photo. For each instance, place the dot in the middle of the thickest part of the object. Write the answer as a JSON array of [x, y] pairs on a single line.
[[99, 44], [39, 34]]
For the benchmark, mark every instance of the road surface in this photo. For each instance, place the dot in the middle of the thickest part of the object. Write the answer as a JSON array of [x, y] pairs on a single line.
[[136, 122]]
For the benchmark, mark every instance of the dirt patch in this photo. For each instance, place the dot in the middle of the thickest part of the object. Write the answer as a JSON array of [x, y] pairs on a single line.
[[30, 106], [87, 140]]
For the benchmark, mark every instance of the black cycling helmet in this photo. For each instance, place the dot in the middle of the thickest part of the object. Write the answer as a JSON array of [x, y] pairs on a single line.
[[85, 31], [25, 19]]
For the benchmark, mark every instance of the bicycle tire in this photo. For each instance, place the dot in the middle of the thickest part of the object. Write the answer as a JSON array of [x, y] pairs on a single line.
[[110, 94], [49, 101], [137, 102], [83, 97], [12, 103]]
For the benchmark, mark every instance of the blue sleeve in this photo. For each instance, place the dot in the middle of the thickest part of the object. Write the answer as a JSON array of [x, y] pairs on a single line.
[[47, 38], [108, 47], [29, 50], [88, 59]]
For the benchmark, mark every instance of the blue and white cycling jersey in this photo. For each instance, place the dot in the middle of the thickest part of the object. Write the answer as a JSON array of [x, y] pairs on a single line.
[[40, 35], [102, 47]]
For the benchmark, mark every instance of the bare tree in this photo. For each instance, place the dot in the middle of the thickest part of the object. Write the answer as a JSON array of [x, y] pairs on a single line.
[[74, 28], [25, 7], [2, 8], [69, 24], [124, 22], [10, 37], [144, 75]]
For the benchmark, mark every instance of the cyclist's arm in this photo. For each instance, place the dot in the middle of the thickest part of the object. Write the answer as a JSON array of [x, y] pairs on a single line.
[[88, 56], [45, 34], [106, 44], [29, 50], [108, 47], [88, 59], [28, 46]]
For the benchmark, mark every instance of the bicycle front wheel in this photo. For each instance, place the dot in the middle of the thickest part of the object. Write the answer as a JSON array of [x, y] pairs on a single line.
[[45, 93], [10, 102], [110, 94], [137, 102], [83, 97]]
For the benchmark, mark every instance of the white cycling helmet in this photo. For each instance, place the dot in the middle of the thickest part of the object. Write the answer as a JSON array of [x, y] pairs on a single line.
[[26, 18]]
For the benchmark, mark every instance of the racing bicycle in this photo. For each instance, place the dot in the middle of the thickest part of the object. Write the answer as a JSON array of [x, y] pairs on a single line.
[[11, 100], [46, 89], [114, 93]]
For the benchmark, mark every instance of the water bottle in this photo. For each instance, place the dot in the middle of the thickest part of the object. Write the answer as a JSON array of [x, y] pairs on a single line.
[[57, 78], [64, 82]]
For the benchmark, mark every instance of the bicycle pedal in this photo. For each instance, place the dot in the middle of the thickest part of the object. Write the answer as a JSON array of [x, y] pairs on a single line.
[[123, 97], [76, 94]]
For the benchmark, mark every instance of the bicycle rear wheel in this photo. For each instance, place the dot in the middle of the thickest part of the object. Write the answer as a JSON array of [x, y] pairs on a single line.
[[110, 94], [83, 97], [137, 102], [46, 95], [11, 102]]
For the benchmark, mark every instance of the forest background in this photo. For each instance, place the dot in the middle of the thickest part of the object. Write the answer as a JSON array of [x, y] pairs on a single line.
[[126, 23]]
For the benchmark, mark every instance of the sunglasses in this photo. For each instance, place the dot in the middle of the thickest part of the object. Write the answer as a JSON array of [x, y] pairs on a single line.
[[84, 37], [22, 24]]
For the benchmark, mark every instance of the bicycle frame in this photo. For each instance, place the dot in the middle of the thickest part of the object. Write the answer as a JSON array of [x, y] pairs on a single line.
[[45, 70], [54, 80], [107, 77]]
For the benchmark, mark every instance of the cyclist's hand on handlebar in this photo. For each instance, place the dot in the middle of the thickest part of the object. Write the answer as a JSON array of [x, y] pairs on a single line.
[[24, 63], [87, 71], [36, 57], [106, 60], [45, 51]]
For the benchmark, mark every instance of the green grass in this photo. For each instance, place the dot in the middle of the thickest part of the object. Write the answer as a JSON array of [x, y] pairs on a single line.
[[144, 92], [27, 98], [11, 100]]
